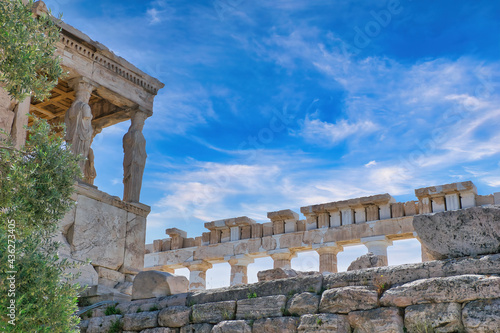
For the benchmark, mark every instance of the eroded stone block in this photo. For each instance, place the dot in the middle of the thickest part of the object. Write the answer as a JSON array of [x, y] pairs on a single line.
[[260, 307], [276, 325], [466, 232], [174, 316], [347, 299], [453, 289], [482, 316], [197, 328], [372, 213], [440, 317], [213, 312], [99, 233], [133, 260], [140, 321], [102, 324], [381, 320], [368, 260], [303, 303], [232, 326], [397, 209], [150, 284], [324, 323], [411, 208]]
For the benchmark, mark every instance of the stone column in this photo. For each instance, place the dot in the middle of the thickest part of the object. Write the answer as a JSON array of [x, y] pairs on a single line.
[[89, 172], [328, 257], [282, 258], [198, 274], [78, 119], [378, 246], [18, 132], [239, 265], [134, 161]]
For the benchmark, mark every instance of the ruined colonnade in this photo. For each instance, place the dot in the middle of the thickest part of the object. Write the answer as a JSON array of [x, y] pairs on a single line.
[[374, 221]]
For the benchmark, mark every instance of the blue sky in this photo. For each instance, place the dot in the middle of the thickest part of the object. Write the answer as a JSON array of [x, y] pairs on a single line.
[[272, 105]]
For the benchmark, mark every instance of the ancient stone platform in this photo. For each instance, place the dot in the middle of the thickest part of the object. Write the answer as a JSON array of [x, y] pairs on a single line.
[[452, 295]]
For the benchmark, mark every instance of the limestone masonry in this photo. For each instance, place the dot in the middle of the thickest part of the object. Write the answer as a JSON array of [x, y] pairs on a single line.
[[374, 221], [453, 295]]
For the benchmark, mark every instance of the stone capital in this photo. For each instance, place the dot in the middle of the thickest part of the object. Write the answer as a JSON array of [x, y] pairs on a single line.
[[282, 254], [140, 111], [198, 265], [239, 260], [328, 248], [82, 83], [377, 244]]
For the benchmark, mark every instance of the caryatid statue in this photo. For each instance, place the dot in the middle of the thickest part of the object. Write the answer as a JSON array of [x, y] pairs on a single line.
[[78, 120], [134, 161], [89, 173]]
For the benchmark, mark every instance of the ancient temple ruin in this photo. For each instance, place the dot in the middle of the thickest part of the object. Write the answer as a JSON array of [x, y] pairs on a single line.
[[100, 90], [374, 221]]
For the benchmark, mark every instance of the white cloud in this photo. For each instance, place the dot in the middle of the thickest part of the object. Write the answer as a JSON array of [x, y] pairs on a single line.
[[159, 12], [370, 164], [324, 133]]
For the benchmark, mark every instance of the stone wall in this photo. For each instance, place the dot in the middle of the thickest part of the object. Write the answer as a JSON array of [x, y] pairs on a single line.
[[453, 295], [111, 234]]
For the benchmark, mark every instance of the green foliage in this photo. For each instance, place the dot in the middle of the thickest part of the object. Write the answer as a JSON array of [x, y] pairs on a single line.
[[251, 294], [381, 285], [27, 47], [36, 182], [285, 312], [35, 189], [116, 326], [319, 321], [154, 308], [139, 310], [112, 310]]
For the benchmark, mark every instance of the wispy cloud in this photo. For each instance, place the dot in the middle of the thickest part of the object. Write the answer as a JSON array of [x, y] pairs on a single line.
[[323, 133], [159, 11]]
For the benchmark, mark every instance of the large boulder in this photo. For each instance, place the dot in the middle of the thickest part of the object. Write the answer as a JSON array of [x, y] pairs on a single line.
[[151, 284], [368, 260], [461, 233]]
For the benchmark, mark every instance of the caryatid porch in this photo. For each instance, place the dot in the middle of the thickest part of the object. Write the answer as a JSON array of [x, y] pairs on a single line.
[[99, 90]]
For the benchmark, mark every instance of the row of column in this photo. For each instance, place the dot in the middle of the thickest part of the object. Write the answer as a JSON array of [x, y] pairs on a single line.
[[282, 259], [80, 133]]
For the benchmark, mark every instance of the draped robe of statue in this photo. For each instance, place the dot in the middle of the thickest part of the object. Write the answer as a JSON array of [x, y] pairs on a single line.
[[78, 120], [89, 172], [134, 161]]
